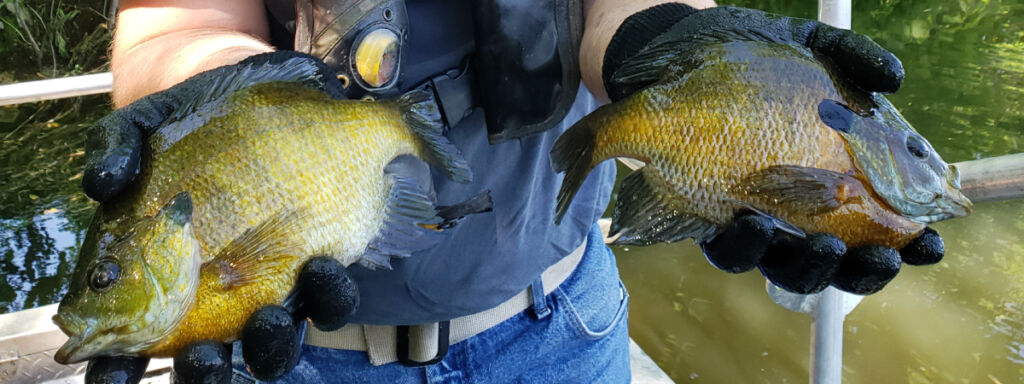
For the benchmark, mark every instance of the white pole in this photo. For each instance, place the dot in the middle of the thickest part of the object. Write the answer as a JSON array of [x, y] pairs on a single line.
[[835, 13], [32, 91], [827, 338], [827, 327]]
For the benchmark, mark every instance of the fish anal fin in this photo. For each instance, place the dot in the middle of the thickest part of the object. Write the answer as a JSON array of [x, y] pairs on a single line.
[[800, 190], [643, 217], [257, 253], [409, 224]]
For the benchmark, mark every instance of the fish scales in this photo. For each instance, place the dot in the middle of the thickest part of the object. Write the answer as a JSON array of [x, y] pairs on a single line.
[[225, 188], [234, 196], [234, 190], [748, 107]]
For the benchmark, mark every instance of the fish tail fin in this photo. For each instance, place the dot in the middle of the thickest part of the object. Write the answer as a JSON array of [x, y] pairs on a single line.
[[421, 113], [573, 153]]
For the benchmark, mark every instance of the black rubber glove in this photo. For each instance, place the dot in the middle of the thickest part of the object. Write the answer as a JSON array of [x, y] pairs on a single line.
[[271, 337], [801, 265], [113, 145]]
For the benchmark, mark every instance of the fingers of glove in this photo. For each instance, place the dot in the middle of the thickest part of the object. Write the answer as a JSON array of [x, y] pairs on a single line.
[[867, 269], [741, 245], [113, 145], [327, 292], [803, 265], [112, 151], [928, 248], [271, 342], [860, 59], [116, 370], [206, 362]]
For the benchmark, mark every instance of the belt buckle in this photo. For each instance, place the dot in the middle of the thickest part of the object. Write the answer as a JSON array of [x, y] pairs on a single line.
[[402, 332]]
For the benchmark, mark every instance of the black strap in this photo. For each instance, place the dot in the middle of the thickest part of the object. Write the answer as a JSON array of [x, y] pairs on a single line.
[[454, 93], [404, 342]]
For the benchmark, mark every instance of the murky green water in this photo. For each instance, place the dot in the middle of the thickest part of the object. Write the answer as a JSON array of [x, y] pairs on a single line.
[[956, 322], [959, 321]]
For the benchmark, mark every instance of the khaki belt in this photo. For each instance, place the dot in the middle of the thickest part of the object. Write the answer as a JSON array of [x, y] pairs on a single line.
[[380, 341]]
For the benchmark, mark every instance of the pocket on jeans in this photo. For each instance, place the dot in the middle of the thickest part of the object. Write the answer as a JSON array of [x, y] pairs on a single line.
[[594, 313]]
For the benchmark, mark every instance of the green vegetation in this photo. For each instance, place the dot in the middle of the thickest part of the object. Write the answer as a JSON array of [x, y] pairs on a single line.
[[42, 209]]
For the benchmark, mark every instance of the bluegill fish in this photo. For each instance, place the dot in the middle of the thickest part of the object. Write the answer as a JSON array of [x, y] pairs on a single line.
[[236, 192], [764, 126]]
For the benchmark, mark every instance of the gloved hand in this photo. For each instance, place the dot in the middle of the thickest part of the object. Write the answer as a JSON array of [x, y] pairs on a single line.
[[271, 337], [801, 265]]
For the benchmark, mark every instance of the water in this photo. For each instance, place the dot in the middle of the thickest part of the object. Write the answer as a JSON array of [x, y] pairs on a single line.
[[959, 321]]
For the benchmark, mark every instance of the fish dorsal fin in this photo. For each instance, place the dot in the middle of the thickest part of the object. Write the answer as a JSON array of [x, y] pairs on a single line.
[[420, 112], [651, 65], [258, 252], [206, 89], [800, 190], [680, 49], [643, 217]]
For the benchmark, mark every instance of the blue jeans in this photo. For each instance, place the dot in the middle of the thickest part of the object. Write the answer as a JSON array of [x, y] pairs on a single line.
[[582, 340]]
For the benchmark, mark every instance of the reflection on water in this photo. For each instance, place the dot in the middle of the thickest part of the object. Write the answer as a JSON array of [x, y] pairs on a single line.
[[42, 210], [961, 321], [36, 262]]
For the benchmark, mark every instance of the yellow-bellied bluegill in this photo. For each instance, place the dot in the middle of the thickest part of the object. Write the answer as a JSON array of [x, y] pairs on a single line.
[[235, 194], [764, 126]]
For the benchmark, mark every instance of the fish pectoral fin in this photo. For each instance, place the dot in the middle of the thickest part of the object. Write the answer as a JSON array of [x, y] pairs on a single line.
[[410, 224], [643, 217], [799, 190], [258, 252]]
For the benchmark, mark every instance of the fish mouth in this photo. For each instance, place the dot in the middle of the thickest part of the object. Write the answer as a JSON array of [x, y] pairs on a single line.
[[949, 205], [84, 342]]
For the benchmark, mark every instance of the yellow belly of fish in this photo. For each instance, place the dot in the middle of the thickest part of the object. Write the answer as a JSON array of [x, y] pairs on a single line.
[[701, 146], [329, 170]]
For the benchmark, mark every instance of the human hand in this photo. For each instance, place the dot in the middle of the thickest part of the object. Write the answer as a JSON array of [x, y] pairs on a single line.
[[271, 338], [799, 264], [113, 147]]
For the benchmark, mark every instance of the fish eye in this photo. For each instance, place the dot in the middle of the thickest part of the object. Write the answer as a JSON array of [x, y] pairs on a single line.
[[917, 147], [103, 275]]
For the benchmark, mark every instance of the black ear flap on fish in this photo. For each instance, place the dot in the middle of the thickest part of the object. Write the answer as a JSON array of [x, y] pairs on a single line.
[[642, 217], [179, 209], [836, 115]]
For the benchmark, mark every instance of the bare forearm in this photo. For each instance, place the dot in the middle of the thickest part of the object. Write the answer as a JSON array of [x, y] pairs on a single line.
[[602, 19], [160, 43]]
